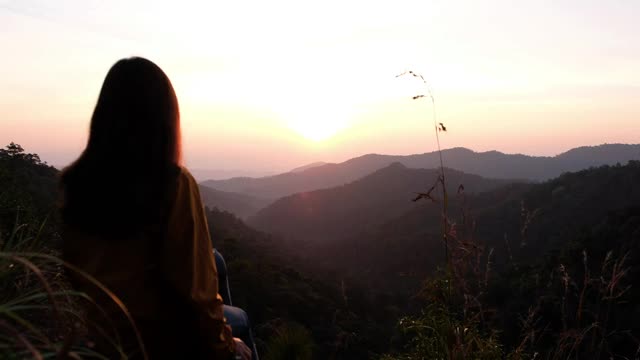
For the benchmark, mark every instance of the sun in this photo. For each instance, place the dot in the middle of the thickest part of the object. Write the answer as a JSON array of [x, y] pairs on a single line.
[[316, 128], [317, 124]]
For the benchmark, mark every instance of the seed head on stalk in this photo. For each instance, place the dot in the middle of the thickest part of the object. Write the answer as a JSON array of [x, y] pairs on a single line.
[[438, 126]]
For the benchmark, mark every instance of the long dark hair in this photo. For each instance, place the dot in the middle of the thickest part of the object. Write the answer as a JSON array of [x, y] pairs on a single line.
[[124, 178]]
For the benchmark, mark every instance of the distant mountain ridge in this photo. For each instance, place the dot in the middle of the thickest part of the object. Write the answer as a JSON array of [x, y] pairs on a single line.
[[308, 166], [240, 205], [348, 210], [491, 164], [201, 174]]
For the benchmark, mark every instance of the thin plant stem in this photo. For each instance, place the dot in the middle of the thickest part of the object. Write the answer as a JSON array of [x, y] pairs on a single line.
[[442, 179]]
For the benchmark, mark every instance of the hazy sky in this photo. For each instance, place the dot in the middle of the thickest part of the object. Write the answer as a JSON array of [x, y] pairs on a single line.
[[270, 85]]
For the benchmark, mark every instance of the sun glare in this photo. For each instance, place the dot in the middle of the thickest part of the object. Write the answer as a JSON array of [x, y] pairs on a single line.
[[317, 124], [316, 129]]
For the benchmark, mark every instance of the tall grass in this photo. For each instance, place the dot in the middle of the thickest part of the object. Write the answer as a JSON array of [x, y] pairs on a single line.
[[452, 325], [41, 316], [291, 341], [457, 321]]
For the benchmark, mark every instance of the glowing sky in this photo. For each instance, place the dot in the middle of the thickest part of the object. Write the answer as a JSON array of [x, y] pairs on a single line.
[[259, 82]]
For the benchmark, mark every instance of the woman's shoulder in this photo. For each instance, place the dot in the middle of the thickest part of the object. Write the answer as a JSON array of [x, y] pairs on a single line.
[[186, 181], [187, 197], [185, 175]]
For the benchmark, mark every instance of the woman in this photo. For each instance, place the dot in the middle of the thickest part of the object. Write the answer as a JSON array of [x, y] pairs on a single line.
[[133, 219]]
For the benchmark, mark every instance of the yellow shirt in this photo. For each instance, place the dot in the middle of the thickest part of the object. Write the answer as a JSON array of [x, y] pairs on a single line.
[[168, 285]]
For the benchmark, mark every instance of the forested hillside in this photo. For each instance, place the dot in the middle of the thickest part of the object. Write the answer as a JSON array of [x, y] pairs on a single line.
[[342, 320], [28, 186], [547, 269], [359, 207], [522, 221]]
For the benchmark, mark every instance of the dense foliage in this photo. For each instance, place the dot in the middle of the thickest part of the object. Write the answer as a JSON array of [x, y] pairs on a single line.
[[28, 186], [344, 322], [564, 290]]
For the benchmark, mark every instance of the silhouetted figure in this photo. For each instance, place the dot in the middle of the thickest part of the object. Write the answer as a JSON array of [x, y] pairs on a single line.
[[133, 219]]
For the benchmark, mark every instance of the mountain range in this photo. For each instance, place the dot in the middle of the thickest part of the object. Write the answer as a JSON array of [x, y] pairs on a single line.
[[385, 244], [491, 164]]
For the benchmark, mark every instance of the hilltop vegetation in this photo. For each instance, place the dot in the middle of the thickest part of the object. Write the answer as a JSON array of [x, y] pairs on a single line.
[[28, 186], [39, 313], [570, 296]]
